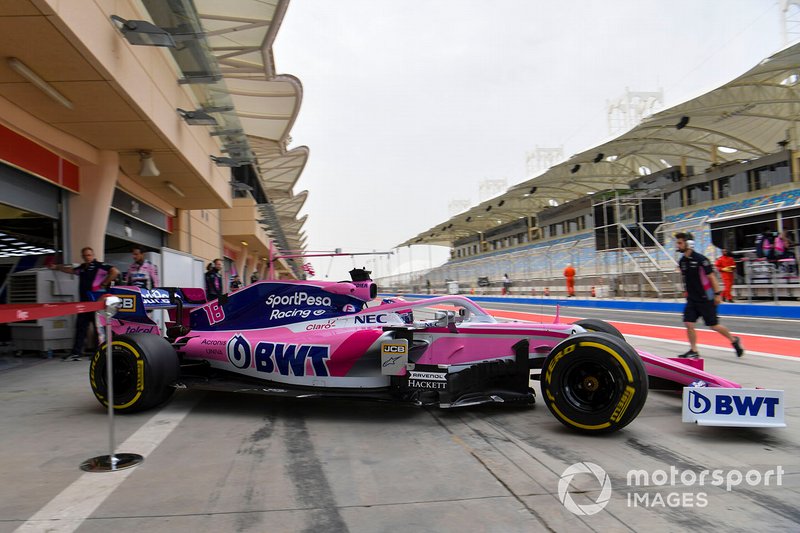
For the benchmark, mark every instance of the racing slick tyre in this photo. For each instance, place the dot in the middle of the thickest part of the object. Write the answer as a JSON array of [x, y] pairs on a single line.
[[600, 326], [594, 383], [145, 366]]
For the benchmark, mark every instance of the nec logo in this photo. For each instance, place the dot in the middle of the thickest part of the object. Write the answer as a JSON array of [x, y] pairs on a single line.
[[127, 303], [724, 404], [370, 319]]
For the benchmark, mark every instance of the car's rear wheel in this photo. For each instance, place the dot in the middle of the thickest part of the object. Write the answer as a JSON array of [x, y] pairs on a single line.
[[145, 367], [600, 326], [594, 383]]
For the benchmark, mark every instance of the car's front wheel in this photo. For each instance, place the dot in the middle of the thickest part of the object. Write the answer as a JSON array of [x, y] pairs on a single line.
[[594, 383], [599, 326], [145, 367]]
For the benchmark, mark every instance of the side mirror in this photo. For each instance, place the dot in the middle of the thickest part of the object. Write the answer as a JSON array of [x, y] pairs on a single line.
[[445, 319]]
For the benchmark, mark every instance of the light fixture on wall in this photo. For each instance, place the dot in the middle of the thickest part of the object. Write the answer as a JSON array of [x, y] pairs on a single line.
[[200, 79], [141, 32], [240, 186], [23, 70], [147, 167], [197, 117], [174, 188], [230, 161], [227, 133]]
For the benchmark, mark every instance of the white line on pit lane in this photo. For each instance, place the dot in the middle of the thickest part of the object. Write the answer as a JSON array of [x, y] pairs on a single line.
[[73, 505], [639, 311], [614, 321], [684, 343], [722, 348]]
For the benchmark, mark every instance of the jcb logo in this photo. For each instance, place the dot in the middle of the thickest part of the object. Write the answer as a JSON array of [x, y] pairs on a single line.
[[394, 348], [128, 303]]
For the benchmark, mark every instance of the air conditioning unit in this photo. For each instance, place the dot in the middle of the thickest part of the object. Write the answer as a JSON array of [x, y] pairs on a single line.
[[42, 285]]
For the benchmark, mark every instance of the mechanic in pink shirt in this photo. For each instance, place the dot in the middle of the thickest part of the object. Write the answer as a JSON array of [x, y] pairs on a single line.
[[142, 273]]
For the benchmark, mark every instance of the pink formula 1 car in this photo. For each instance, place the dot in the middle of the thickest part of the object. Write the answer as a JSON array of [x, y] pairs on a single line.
[[320, 339]]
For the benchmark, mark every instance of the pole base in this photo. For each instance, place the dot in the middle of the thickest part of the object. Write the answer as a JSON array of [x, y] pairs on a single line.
[[111, 463]]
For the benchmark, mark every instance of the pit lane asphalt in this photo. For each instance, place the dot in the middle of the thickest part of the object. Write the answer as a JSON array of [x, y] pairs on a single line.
[[251, 463]]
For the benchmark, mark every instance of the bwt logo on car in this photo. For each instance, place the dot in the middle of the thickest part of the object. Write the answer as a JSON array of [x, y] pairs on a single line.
[[278, 357], [724, 404]]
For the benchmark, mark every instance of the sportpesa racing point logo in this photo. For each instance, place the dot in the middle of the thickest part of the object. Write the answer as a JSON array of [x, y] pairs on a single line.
[[298, 304], [584, 468]]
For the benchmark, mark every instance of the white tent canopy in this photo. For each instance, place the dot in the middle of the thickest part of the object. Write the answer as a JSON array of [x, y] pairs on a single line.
[[749, 117]]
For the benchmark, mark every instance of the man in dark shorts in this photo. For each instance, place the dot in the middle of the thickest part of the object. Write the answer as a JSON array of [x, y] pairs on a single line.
[[93, 276], [702, 295]]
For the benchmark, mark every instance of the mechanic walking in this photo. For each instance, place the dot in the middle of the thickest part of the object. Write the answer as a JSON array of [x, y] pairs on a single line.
[[214, 280], [726, 266], [569, 274], [142, 273], [702, 295], [92, 276]]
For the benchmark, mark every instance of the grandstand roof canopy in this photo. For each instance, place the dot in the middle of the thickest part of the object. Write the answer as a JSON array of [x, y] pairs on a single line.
[[749, 117], [239, 35]]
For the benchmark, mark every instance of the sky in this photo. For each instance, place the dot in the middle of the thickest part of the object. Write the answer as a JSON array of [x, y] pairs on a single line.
[[410, 105]]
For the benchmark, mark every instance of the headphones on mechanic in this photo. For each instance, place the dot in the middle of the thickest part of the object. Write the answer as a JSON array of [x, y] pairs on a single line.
[[689, 241]]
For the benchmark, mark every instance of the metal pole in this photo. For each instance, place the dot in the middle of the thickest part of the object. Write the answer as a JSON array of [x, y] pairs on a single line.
[[111, 462], [774, 270], [110, 395], [270, 259], [748, 277]]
